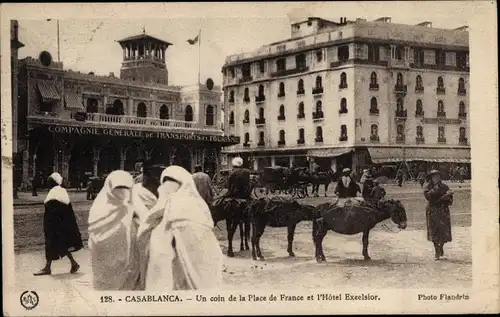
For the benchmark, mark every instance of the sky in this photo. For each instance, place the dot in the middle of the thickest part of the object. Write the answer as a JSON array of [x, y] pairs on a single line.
[[90, 44]]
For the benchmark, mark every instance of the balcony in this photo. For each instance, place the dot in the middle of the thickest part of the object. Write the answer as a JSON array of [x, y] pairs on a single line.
[[286, 72], [400, 139], [401, 90], [462, 141], [343, 86], [317, 90], [260, 121], [317, 115], [343, 138], [246, 144], [419, 90], [281, 118], [373, 87], [281, 142], [343, 111], [398, 64], [374, 138], [260, 99], [246, 121], [261, 143], [281, 95], [462, 91], [419, 113], [401, 114], [301, 116], [301, 141], [441, 90], [441, 114], [441, 140], [301, 92], [231, 100], [245, 79], [246, 99], [462, 115], [319, 139], [374, 111], [420, 140]]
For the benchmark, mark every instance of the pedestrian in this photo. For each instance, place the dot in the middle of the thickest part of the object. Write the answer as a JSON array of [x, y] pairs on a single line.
[[399, 178], [61, 232], [145, 193], [35, 183], [346, 186], [364, 175], [421, 179], [377, 194], [440, 198], [239, 181], [203, 185], [367, 187], [112, 235], [182, 251]]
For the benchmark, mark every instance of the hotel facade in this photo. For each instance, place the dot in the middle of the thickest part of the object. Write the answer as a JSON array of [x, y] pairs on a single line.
[[351, 94], [83, 124]]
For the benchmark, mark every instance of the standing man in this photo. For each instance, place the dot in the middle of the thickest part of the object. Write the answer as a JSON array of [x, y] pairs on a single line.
[[203, 185], [239, 180], [377, 194], [35, 183], [367, 186], [346, 186]]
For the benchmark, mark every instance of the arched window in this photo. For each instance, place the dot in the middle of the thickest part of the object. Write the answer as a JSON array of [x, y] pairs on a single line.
[[247, 116], [373, 79], [399, 80], [461, 133], [188, 113], [300, 87], [343, 80], [301, 135], [400, 129], [419, 85], [247, 138], [282, 135], [319, 134], [301, 110], [209, 115], [319, 107], [461, 86], [231, 96], [399, 104], [261, 113], [419, 108], [319, 82], [420, 131], [343, 105], [373, 105], [281, 92], [261, 137], [441, 134], [92, 105], [231, 117], [374, 130], [116, 108], [461, 109], [440, 82], [440, 106], [246, 95], [142, 111], [282, 111], [164, 112], [261, 90]]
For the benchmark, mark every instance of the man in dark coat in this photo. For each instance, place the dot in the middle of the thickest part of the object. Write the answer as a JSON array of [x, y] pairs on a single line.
[[367, 187], [61, 232], [35, 183], [377, 193], [346, 186], [203, 185], [239, 180]]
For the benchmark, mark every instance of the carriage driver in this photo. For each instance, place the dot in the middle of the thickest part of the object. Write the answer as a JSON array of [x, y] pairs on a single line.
[[239, 180]]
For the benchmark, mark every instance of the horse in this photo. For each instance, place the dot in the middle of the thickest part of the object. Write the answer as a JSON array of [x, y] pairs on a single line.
[[278, 213], [233, 211], [322, 178], [353, 219]]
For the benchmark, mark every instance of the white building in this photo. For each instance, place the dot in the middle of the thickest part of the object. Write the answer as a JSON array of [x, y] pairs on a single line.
[[351, 93]]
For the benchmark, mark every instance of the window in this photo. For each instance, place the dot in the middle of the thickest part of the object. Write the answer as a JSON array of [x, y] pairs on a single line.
[[247, 116], [282, 112], [262, 67], [209, 115], [116, 108], [300, 87], [231, 118], [343, 80], [440, 107], [419, 85], [440, 58], [282, 136], [399, 52], [343, 105], [300, 61], [231, 96], [319, 110], [319, 56], [399, 105], [261, 138], [281, 65], [246, 70], [419, 108], [343, 133], [142, 111], [400, 129], [429, 57], [399, 80], [461, 133], [451, 59], [441, 134], [247, 138], [301, 113], [374, 106], [418, 57], [246, 95], [374, 130], [301, 135], [440, 82], [343, 53], [319, 82], [373, 53], [281, 90], [461, 109], [461, 86], [373, 80], [164, 112], [461, 59], [261, 113], [188, 113], [92, 105], [319, 134], [420, 132], [261, 90], [231, 72]]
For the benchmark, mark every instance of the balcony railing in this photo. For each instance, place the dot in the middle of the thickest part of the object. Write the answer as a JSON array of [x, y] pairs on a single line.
[[343, 111], [400, 139], [374, 87], [246, 121], [319, 139], [420, 140], [440, 90], [246, 144], [400, 89], [110, 119], [441, 114], [374, 111], [260, 99], [343, 138], [281, 95], [281, 118], [246, 79], [401, 113], [301, 141], [463, 141], [419, 89], [301, 92], [281, 142], [317, 90], [286, 72], [318, 115], [441, 140], [301, 116], [260, 121], [374, 138], [246, 99], [462, 91], [419, 113], [261, 143], [398, 63], [462, 115]]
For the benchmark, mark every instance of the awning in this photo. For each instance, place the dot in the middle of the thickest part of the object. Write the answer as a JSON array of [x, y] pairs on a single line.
[[332, 152], [438, 155], [72, 100], [48, 91]]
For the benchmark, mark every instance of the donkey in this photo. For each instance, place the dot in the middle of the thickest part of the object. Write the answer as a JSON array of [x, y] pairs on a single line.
[[278, 213], [355, 219], [233, 211]]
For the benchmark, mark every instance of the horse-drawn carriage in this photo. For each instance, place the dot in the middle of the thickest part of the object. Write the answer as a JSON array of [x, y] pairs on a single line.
[[281, 180]]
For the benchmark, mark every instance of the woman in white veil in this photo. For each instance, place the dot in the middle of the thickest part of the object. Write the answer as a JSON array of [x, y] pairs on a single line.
[[181, 249]]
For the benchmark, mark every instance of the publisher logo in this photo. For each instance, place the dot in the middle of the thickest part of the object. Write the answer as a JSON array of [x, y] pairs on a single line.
[[29, 299]]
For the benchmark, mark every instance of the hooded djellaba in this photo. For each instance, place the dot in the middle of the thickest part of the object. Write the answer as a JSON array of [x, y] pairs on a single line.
[[179, 248], [61, 232]]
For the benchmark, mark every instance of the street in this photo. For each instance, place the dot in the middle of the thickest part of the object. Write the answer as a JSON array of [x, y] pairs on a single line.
[[399, 259]]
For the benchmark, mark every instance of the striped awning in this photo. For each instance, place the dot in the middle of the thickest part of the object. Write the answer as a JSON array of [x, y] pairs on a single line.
[[48, 91], [72, 100], [438, 155], [331, 152]]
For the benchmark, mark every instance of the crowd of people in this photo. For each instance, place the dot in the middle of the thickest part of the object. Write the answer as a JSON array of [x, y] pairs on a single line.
[[156, 234]]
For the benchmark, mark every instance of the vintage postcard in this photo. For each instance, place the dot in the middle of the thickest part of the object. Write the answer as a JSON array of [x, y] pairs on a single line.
[[249, 158]]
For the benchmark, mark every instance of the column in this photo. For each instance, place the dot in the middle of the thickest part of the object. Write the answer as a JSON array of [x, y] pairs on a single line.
[[393, 51], [96, 151], [124, 52], [66, 148], [123, 156], [256, 164], [149, 49], [191, 153], [273, 161], [292, 160]]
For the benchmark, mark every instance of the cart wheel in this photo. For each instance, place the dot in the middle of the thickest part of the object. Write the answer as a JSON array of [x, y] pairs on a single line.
[[259, 192], [301, 192]]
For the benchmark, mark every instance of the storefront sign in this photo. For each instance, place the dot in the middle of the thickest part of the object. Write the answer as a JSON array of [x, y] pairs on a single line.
[[143, 134]]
